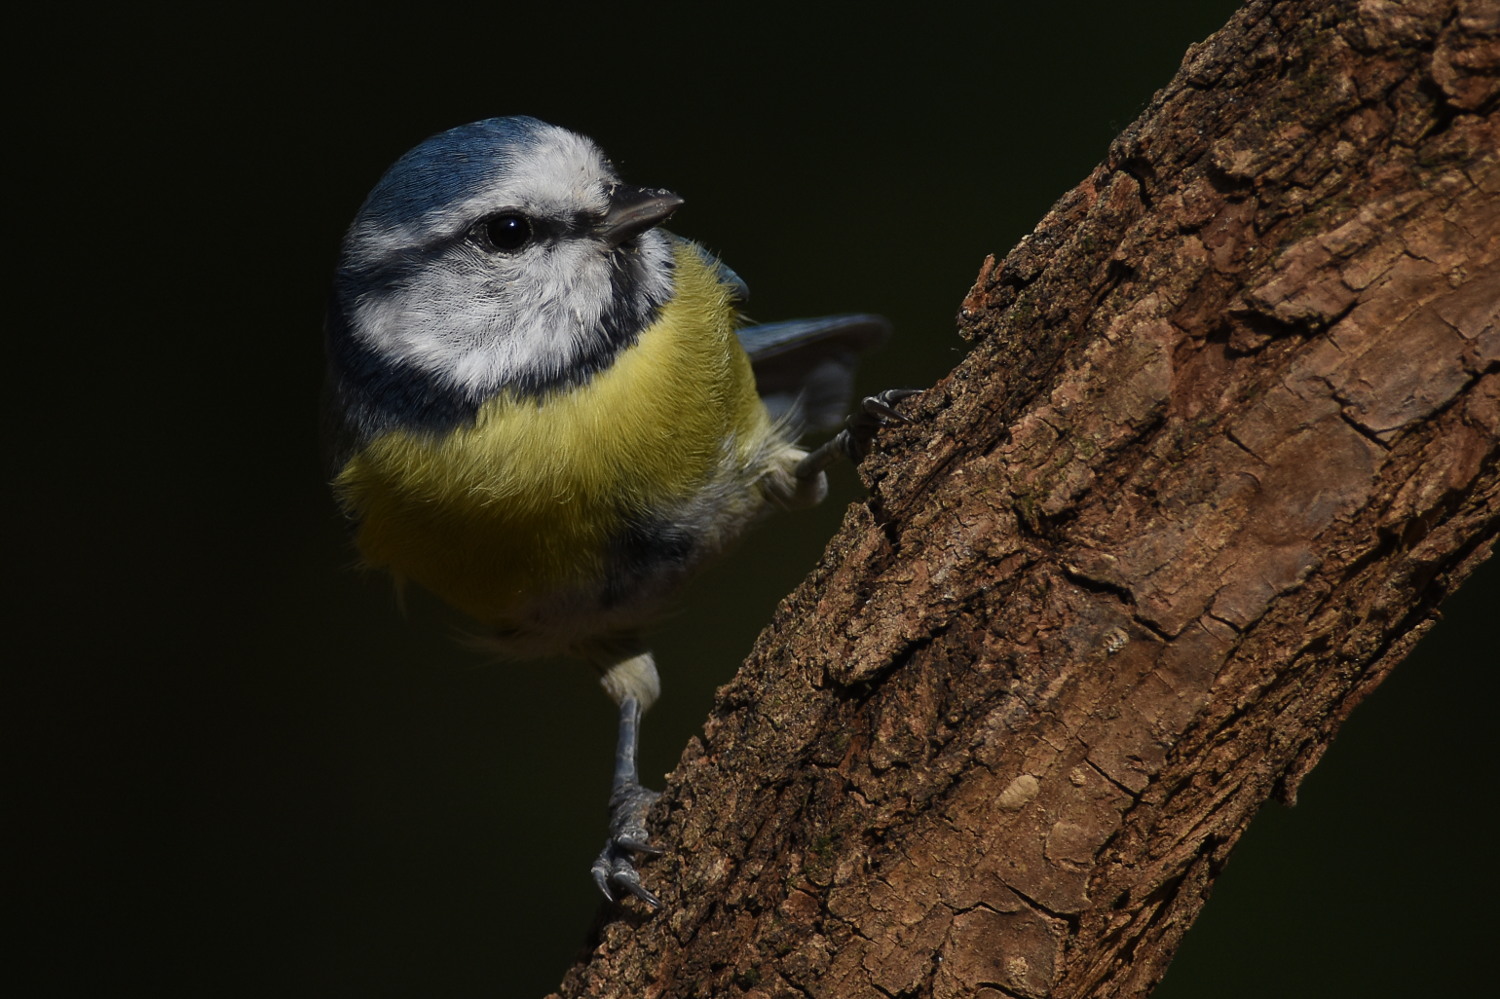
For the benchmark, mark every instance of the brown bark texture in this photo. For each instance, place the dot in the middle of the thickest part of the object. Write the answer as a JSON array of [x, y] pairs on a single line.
[[1226, 437]]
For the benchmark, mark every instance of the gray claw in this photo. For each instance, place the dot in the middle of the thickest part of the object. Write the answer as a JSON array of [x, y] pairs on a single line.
[[614, 869], [619, 872], [600, 873], [639, 845], [875, 411], [615, 866], [880, 406]]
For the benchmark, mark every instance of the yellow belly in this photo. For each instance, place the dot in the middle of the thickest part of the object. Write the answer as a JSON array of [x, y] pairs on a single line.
[[530, 502]]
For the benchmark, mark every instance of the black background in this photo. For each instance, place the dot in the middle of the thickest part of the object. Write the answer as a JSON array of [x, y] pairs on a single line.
[[237, 771]]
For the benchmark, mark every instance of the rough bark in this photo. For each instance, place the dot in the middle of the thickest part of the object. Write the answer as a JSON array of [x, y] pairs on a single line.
[[1227, 436]]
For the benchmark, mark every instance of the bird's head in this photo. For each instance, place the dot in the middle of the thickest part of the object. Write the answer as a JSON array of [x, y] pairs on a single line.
[[504, 254]]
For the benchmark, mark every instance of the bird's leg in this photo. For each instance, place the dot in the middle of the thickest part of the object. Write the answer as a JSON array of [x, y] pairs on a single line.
[[875, 411], [628, 800]]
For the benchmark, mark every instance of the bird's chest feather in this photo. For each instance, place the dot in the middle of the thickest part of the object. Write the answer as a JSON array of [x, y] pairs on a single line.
[[555, 495]]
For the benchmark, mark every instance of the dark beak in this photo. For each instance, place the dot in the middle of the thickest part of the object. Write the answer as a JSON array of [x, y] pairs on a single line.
[[633, 210]]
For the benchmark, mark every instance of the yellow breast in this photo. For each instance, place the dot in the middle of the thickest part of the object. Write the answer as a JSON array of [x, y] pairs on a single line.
[[530, 499]]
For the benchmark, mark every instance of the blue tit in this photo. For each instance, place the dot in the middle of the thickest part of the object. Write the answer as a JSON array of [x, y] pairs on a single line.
[[548, 411]]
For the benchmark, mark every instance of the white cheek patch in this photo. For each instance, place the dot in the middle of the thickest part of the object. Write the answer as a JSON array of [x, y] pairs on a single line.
[[549, 322], [533, 320]]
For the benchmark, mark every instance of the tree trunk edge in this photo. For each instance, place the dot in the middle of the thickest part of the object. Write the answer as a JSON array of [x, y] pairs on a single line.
[[995, 746]]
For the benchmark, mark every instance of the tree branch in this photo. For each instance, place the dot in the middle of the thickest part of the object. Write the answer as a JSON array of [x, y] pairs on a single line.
[[1227, 436]]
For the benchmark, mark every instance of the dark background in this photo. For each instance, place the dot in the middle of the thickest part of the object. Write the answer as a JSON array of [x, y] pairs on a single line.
[[237, 771]]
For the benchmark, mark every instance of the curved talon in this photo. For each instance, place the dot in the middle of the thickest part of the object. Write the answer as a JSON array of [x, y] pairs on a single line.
[[630, 879], [641, 845], [880, 406], [875, 412], [600, 874], [853, 442], [615, 867]]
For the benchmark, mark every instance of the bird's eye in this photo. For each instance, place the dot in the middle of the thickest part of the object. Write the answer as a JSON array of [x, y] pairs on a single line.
[[503, 233]]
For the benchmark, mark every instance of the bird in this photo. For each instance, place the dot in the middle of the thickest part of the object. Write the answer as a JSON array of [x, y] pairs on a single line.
[[549, 411]]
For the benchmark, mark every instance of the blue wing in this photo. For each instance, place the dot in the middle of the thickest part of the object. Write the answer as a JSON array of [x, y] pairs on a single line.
[[805, 367]]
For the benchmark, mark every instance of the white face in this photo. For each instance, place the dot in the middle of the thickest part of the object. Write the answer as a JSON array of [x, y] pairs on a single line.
[[423, 287]]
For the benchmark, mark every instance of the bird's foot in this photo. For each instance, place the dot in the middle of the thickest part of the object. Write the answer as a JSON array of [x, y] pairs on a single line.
[[614, 871], [853, 442], [875, 411]]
